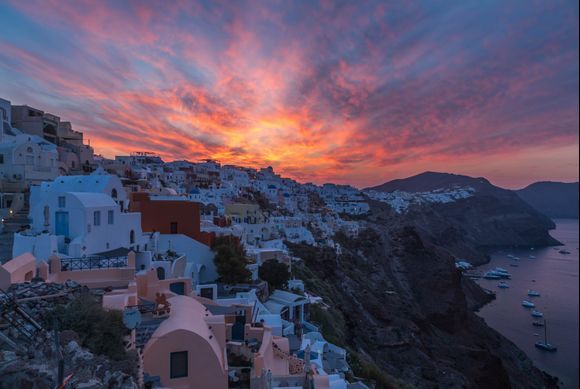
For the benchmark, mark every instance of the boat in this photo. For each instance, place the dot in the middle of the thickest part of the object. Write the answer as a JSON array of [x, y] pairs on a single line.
[[537, 323], [537, 314], [564, 252], [490, 275], [533, 293], [528, 304], [514, 265], [503, 285], [532, 257], [545, 345], [501, 273]]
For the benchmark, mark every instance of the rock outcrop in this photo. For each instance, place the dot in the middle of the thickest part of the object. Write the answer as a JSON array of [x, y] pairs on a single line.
[[399, 303]]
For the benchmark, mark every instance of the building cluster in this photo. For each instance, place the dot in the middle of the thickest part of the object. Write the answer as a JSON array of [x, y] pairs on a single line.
[[143, 229]]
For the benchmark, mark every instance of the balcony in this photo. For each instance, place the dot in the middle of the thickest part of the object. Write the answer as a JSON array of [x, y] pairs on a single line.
[[92, 263]]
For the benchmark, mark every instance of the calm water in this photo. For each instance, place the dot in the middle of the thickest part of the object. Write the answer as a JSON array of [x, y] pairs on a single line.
[[556, 278]]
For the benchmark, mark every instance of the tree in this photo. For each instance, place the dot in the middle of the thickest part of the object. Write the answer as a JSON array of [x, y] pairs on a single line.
[[230, 261], [276, 274], [99, 330]]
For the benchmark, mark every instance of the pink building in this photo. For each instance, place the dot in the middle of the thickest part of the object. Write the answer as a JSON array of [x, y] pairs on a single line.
[[19, 269], [188, 350]]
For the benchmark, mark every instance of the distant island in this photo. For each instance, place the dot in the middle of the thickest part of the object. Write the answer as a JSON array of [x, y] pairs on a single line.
[[553, 199]]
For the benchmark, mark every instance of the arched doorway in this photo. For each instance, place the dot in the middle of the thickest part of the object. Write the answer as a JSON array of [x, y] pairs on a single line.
[[160, 273]]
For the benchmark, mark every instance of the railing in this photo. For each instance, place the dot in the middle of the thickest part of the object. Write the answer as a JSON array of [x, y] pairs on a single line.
[[92, 262], [143, 308]]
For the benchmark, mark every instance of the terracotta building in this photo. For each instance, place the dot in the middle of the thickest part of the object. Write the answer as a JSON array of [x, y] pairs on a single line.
[[170, 216]]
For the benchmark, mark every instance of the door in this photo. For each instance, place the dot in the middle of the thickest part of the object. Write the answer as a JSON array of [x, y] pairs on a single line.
[[238, 329], [61, 223]]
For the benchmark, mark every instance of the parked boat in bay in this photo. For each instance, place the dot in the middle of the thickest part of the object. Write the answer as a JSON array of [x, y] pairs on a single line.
[[528, 304]]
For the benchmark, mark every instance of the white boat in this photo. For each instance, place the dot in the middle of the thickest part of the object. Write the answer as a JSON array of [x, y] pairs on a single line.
[[503, 285], [491, 275], [503, 273], [537, 314], [528, 304], [532, 257], [545, 345], [533, 293]]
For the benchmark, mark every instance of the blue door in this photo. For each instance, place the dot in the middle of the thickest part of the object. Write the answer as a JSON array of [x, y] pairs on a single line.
[[61, 223]]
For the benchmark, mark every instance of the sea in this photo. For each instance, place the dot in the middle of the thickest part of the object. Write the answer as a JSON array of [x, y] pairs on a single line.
[[555, 276]]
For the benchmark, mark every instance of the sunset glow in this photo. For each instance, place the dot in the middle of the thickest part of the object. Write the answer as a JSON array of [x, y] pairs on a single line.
[[347, 92]]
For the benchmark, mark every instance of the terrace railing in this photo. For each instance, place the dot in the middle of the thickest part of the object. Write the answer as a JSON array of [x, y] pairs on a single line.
[[92, 263]]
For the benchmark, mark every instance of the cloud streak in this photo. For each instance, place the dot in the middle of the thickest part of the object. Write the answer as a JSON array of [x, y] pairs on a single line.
[[355, 92]]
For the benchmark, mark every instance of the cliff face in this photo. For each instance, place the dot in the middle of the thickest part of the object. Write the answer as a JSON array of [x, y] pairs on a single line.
[[398, 302], [553, 199], [489, 218]]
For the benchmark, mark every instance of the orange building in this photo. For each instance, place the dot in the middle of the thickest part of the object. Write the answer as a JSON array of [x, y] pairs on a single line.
[[170, 217]]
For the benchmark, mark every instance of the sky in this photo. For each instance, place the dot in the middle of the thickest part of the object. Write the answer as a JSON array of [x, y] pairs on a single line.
[[356, 92]]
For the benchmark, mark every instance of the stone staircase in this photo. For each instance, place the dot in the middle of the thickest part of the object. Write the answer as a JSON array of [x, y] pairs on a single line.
[[145, 330], [295, 364]]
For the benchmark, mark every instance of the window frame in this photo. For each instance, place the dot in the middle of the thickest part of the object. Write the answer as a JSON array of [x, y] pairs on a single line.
[[172, 373], [97, 218]]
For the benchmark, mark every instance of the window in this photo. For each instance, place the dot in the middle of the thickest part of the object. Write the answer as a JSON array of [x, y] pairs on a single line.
[[97, 218], [131, 237], [61, 201], [1, 158], [113, 192], [173, 228], [111, 217], [178, 364]]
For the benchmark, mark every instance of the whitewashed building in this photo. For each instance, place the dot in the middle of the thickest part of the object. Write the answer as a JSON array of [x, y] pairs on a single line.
[[79, 216]]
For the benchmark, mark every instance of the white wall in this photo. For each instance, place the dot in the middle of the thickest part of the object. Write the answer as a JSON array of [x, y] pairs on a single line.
[[197, 254]]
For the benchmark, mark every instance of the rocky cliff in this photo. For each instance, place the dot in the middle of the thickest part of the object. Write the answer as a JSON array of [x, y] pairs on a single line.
[[467, 227], [400, 307]]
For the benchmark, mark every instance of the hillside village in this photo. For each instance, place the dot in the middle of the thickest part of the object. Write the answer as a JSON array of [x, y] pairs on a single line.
[[193, 254]]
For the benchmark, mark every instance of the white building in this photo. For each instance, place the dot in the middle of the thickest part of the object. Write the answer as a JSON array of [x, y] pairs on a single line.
[[78, 216], [24, 159]]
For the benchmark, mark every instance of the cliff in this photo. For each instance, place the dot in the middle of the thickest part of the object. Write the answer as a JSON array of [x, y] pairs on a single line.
[[469, 226], [405, 314]]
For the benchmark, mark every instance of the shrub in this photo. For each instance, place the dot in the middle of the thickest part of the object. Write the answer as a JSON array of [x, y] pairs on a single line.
[[99, 330], [230, 261], [276, 274]]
